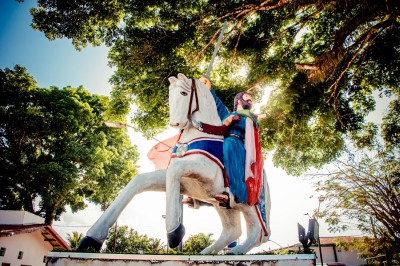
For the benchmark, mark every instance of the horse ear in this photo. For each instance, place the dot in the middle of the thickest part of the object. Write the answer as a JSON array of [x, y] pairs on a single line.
[[172, 80], [182, 76]]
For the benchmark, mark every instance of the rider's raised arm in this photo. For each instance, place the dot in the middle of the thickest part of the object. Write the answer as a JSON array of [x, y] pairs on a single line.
[[223, 111]]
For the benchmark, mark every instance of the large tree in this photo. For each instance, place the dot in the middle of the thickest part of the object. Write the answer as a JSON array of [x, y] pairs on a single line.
[[54, 149], [363, 192], [325, 57]]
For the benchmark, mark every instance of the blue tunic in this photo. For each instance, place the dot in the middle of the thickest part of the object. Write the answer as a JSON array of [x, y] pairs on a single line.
[[234, 157]]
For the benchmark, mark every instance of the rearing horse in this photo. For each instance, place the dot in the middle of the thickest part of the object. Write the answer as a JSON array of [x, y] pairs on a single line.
[[194, 170]]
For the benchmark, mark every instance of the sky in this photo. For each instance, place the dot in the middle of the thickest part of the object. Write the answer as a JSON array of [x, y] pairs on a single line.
[[57, 63]]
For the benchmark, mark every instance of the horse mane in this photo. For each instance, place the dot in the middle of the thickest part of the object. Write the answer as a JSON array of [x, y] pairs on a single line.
[[208, 112]]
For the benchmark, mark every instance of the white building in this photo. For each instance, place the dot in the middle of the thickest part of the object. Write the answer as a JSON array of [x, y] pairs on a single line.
[[26, 240], [331, 254]]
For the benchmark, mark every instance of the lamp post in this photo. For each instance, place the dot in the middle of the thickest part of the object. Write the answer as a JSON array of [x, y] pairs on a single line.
[[313, 231], [320, 199]]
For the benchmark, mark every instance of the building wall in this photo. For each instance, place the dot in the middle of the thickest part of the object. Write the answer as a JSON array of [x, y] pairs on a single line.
[[346, 257], [19, 217], [32, 244], [351, 257]]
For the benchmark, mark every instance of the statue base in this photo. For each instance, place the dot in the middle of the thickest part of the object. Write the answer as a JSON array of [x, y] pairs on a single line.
[[104, 259]]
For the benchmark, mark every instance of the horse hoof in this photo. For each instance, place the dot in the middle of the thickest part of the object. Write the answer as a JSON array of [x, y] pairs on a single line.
[[89, 244], [175, 237]]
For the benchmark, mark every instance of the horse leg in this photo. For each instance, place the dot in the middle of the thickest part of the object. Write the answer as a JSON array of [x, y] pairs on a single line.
[[254, 230], [257, 231], [97, 234], [173, 219], [231, 230]]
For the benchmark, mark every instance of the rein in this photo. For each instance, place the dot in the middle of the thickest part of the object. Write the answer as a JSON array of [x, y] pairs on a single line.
[[210, 147], [193, 92], [206, 128]]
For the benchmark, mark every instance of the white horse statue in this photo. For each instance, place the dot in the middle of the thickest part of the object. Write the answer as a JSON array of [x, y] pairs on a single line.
[[192, 172]]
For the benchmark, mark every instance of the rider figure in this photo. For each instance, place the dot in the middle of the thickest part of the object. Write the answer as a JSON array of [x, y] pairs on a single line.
[[241, 122]]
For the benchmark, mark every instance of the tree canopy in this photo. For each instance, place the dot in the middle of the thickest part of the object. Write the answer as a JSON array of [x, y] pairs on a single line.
[[196, 243], [363, 192], [128, 240], [123, 239], [325, 59], [55, 150]]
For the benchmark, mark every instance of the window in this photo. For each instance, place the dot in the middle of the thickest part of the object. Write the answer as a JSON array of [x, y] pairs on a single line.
[[6, 264], [20, 255], [2, 251]]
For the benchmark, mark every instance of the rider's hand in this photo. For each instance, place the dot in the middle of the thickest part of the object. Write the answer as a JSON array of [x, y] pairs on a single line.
[[228, 120], [206, 82]]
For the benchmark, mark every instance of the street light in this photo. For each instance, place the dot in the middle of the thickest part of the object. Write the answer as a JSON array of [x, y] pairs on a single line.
[[320, 199], [312, 235]]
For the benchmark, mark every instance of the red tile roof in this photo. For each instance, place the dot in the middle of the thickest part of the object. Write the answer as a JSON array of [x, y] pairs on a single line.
[[329, 240]]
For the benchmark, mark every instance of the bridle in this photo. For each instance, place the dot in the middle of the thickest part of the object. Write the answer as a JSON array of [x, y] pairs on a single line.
[[193, 92], [184, 149], [204, 127]]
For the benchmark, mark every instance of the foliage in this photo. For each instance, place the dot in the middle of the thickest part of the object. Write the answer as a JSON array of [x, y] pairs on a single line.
[[195, 244], [365, 191], [130, 241], [74, 239], [368, 247], [88, 21], [325, 57], [55, 149], [289, 251], [127, 240]]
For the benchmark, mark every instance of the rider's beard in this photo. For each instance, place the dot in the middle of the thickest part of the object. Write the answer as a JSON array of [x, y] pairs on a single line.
[[245, 105]]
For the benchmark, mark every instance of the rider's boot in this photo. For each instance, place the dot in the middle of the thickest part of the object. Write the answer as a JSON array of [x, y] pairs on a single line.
[[225, 199], [189, 201]]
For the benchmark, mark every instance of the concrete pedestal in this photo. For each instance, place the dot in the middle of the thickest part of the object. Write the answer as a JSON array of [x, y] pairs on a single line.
[[105, 259]]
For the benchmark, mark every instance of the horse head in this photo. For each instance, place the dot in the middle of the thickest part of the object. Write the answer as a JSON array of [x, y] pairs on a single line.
[[190, 101]]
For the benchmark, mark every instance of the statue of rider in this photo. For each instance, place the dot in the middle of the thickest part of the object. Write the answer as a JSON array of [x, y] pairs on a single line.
[[241, 150]]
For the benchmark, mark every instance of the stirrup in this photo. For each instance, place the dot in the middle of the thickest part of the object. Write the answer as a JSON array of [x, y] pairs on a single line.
[[191, 202], [188, 200], [223, 199]]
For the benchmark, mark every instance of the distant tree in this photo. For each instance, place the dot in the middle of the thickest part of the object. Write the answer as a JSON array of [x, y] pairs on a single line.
[[369, 247], [55, 149], [364, 191], [74, 239], [195, 244], [127, 240], [326, 58]]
